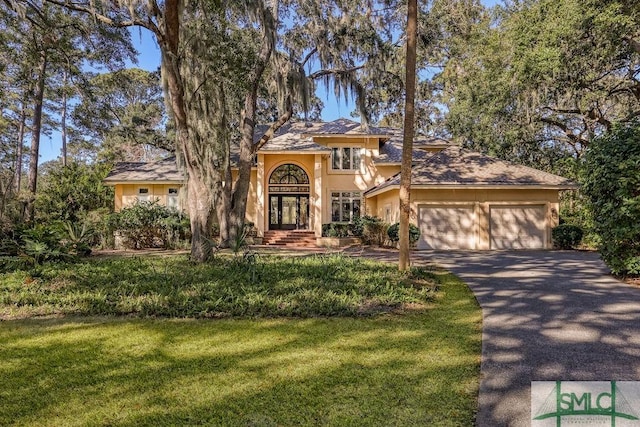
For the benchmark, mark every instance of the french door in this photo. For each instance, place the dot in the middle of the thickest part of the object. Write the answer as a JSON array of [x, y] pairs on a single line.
[[288, 212]]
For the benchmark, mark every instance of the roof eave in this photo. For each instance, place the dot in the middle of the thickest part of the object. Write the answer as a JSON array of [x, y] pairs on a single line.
[[343, 135], [376, 192], [294, 151], [113, 182]]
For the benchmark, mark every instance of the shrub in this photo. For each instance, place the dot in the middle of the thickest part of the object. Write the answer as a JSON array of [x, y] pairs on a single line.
[[337, 229], [373, 230], [151, 225], [611, 180], [394, 231], [567, 236], [41, 243]]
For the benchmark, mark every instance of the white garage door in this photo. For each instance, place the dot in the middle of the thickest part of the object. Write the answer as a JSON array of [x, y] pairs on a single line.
[[517, 227], [450, 227]]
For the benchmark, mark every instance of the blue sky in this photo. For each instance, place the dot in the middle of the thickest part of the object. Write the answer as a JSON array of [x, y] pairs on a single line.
[[149, 59]]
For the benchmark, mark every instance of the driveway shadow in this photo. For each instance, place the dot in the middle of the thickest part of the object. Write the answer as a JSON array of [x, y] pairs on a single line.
[[547, 315]]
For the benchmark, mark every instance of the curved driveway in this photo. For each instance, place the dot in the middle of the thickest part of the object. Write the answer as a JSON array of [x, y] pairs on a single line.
[[547, 315]]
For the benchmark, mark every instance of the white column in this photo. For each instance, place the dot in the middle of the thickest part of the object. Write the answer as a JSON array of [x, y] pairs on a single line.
[[317, 196], [260, 196]]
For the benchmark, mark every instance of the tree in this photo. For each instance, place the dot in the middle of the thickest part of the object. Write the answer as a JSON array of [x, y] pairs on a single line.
[[215, 61], [46, 42], [121, 117], [69, 193], [543, 78], [407, 141], [611, 181]]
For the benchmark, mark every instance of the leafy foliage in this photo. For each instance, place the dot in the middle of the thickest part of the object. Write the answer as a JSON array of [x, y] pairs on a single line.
[[121, 117], [539, 81], [70, 193], [567, 236], [340, 230], [372, 230], [175, 287], [393, 230], [151, 225], [611, 181]]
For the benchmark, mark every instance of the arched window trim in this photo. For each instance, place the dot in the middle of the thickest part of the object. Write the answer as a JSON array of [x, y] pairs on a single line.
[[288, 172], [289, 178]]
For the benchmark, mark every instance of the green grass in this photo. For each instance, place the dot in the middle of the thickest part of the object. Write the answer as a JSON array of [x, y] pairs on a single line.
[[417, 366], [174, 287]]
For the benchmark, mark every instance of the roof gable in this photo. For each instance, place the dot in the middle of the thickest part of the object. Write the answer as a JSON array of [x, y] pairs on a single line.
[[457, 166], [161, 171]]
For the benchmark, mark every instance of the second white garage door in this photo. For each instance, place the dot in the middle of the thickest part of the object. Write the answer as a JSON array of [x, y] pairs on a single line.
[[449, 227], [517, 227]]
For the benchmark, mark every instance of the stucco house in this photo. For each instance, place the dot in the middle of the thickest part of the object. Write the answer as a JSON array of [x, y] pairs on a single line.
[[311, 174]]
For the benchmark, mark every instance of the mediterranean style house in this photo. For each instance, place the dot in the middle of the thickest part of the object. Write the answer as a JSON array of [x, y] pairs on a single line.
[[311, 174]]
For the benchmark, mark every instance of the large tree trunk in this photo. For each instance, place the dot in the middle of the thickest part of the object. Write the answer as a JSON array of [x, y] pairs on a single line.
[[19, 146], [200, 209], [247, 125], [200, 195], [63, 119], [35, 139], [407, 142]]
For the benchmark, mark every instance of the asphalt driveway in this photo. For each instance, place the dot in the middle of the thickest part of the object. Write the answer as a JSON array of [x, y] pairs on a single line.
[[547, 315]]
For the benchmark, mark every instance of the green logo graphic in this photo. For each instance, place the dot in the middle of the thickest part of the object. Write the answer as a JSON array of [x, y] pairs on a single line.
[[611, 403]]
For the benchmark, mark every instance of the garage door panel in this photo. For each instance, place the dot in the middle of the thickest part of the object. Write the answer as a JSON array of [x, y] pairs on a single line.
[[446, 228], [517, 227]]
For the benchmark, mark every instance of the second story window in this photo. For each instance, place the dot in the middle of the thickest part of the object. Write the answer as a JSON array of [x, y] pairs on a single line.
[[346, 158]]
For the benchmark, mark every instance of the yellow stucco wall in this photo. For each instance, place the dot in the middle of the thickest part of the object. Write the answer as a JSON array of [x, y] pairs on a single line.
[[127, 194], [323, 179], [386, 205]]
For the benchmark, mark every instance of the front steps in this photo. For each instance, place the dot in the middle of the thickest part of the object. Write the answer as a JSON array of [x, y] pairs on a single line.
[[290, 238]]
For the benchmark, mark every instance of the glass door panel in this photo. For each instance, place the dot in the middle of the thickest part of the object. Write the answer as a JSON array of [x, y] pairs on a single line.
[[303, 215], [289, 211]]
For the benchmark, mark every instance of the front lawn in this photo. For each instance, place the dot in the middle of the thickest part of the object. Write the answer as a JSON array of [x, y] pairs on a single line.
[[265, 286], [409, 360]]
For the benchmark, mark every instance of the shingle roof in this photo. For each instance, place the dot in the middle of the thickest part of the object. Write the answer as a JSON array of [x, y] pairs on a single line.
[[455, 166], [339, 126], [161, 171], [293, 142], [391, 149]]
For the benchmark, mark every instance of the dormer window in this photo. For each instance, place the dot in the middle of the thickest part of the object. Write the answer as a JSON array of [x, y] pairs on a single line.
[[346, 158]]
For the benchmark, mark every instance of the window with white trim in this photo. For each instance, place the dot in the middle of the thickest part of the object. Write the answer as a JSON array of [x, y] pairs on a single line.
[[143, 194], [346, 158], [345, 205], [387, 213], [172, 198]]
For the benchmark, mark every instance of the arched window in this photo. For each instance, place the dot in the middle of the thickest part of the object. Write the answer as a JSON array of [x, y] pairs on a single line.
[[289, 178]]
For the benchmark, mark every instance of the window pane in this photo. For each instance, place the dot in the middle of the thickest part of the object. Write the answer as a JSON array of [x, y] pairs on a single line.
[[335, 194], [288, 174], [346, 158], [143, 191], [356, 208], [357, 158], [346, 210], [346, 194], [335, 156], [335, 210], [173, 191]]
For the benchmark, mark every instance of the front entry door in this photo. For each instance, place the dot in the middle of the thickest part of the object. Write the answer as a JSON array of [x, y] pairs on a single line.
[[288, 212]]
